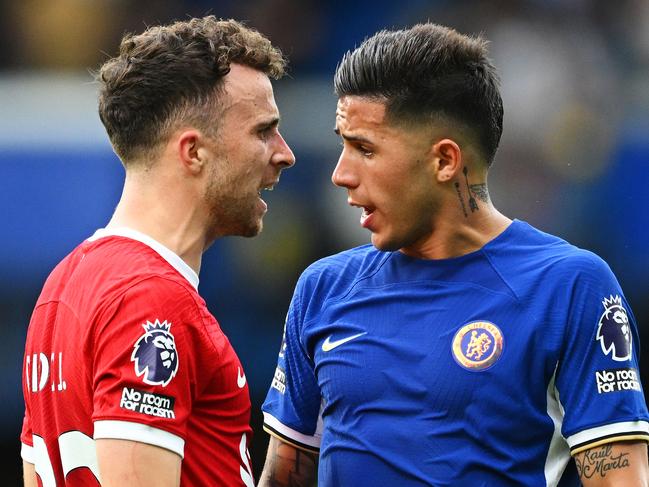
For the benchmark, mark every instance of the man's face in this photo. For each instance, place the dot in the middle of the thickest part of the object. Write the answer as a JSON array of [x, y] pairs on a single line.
[[387, 172], [247, 154]]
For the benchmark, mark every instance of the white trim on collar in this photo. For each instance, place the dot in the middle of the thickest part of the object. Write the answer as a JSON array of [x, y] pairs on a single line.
[[174, 259]]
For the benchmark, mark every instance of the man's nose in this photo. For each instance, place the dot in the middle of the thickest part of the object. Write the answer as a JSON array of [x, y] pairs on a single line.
[[283, 155], [344, 174]]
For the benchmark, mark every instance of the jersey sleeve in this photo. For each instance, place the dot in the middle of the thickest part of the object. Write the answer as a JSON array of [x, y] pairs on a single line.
[[145, 363], [26, 438], [292, 406], [597, 377]]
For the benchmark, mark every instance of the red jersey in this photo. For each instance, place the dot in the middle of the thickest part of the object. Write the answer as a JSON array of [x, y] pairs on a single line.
[[120, 345]]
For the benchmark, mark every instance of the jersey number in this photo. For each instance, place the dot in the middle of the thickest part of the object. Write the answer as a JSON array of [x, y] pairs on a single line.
[[246, 473], [77, 451]]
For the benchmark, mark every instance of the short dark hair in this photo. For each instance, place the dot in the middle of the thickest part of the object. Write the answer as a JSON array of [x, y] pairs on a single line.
[[425, 72], [173, 73]]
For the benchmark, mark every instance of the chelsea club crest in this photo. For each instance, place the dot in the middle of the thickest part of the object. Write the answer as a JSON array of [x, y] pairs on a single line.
[[155, 355], [477, 345]]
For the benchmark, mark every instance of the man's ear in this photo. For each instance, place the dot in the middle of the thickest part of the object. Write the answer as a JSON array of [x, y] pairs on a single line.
[[449, 159], [190, 149]]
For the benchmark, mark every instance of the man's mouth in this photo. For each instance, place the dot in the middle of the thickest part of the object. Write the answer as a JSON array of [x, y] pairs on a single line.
[[267, 187], [365, 215]]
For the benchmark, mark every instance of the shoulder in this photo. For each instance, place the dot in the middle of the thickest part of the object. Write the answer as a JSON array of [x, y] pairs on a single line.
[[534, 250], [121, 263], [344, 268], [121, 276], [154, 302]]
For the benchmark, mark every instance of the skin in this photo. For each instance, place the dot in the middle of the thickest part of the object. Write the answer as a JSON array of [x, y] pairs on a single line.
[[29, 475], [611, 465], [203, 188], [431, 220], [123, 462], [379, 159], [199, 189], [288, 466], [614, 464]]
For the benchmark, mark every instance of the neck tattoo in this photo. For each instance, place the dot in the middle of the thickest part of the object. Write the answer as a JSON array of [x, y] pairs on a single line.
[[459, 195], [473, 204]]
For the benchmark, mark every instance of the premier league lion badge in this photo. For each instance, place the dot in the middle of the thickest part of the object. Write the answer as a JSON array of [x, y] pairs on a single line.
[[477, 345], [613, 330], [155, 355]]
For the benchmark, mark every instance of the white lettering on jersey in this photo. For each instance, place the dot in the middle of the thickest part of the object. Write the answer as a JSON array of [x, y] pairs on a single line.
[[613, 380], [148, 403], [279, 380], [40, 369]]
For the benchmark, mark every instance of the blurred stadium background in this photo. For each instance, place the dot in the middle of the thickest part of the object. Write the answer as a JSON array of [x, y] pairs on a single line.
[[574, 158]]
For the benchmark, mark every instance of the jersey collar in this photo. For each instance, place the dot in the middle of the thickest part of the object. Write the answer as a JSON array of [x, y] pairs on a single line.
[[172, 258]]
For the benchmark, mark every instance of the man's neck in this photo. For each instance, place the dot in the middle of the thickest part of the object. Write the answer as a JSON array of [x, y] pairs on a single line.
[[165, 215], [460, 234]]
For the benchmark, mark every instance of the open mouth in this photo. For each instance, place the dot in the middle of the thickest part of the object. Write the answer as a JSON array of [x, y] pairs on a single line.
[[267, 187], [366, 215]]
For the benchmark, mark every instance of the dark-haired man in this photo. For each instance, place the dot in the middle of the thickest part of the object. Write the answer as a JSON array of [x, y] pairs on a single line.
[[128, 379], [462, 348]]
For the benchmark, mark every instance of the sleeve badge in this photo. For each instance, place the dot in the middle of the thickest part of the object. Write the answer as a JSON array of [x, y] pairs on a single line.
[[154, 354]]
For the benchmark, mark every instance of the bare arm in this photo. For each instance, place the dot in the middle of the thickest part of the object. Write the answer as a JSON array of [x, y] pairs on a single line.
[[129, 463], [29, 475], [288, 466], [622, 463]]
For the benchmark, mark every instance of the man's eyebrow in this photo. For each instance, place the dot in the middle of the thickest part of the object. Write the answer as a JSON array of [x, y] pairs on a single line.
[[352, 138], [273, 122]]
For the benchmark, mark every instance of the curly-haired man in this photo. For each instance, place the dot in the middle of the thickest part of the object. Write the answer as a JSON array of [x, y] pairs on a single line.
[[128, 378]]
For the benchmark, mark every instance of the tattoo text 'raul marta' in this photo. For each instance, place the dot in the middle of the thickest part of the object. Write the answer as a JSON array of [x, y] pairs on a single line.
[[600, 461]]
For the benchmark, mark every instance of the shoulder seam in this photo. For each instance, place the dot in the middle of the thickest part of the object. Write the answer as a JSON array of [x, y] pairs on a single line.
[[497, 271], [353, 285], [142, 279], [367, 276]]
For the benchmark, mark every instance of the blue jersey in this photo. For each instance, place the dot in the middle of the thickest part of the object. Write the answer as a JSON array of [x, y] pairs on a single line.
[[492, 368]]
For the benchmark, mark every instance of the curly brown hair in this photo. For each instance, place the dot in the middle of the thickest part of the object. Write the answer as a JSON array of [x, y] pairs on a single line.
[[174, 74]]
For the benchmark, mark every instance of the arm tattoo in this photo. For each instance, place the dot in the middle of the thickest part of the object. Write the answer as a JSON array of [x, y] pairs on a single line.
[[290, 467], [473, 204], [600, 461], [459, 195]]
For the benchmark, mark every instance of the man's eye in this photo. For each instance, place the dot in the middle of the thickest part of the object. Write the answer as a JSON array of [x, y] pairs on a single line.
[[365, 151], [266, 132]]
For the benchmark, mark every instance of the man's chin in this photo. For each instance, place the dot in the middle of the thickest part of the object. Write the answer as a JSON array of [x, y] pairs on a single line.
[[384, 245], [253, 230]]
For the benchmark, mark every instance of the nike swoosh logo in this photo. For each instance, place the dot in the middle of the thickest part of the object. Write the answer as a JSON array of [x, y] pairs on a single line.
[[328, 345], [241, 378]]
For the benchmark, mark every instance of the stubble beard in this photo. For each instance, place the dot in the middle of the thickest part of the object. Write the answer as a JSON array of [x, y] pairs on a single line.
[[232, 214]]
